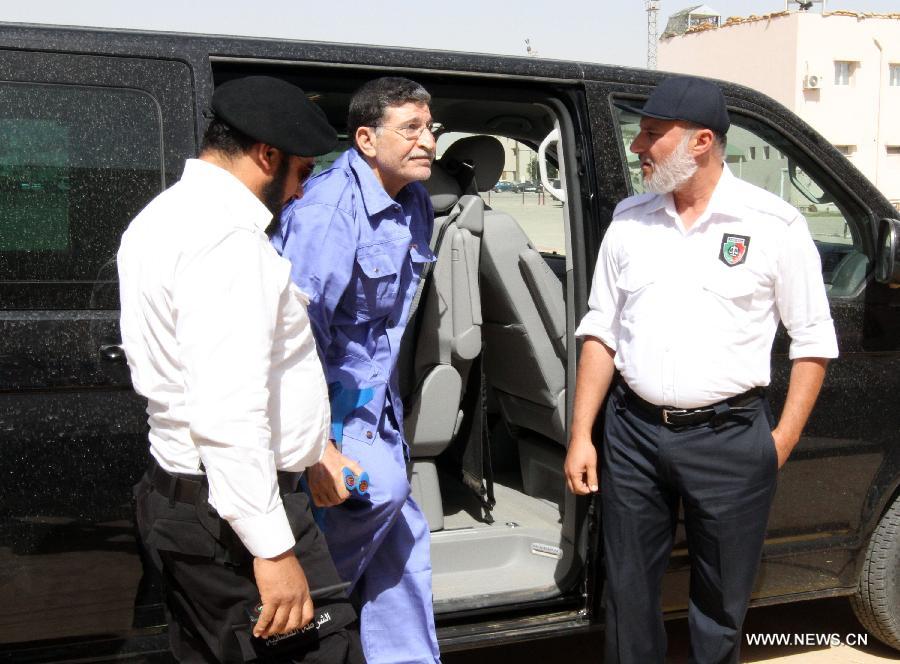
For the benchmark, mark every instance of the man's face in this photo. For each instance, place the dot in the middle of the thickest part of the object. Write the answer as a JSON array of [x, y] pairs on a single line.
[[287, 182], [664, 151], [400, 160]]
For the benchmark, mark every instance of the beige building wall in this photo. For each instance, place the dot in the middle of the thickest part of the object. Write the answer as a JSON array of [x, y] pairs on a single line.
[[760, 55], [776, 54]]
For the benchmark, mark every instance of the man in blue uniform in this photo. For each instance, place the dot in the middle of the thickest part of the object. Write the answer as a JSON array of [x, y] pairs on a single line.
[[358, 242]]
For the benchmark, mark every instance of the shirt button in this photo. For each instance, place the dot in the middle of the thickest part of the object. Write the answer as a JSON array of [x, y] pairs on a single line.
[[391, 322], [369, 434], [375, 270]]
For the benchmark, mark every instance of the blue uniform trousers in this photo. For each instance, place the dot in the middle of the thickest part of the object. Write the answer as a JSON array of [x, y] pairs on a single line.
[[382, 545], [724, 475]]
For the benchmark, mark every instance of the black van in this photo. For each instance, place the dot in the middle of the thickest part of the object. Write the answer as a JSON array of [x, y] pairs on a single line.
[[94, 124]]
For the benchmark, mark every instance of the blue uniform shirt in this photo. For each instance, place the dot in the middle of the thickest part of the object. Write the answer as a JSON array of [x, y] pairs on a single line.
[[357, 253]]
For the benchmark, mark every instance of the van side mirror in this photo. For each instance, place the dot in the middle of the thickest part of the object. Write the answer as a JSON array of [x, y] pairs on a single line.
[[887, 259]]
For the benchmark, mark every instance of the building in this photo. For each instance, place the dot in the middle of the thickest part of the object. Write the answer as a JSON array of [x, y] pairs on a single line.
[[692, 17], [839, 71]]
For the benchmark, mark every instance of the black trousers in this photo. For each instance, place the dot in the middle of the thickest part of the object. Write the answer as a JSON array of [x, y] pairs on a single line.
[[209, 586], [724, 475]]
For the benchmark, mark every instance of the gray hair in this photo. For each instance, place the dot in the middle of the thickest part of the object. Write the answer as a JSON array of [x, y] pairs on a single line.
[[369, 103]]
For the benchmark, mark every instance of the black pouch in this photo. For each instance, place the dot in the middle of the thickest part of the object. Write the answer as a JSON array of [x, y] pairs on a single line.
[[330, 617]]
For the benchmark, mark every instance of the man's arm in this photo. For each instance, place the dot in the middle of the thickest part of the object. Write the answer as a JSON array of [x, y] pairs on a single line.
[[320, 242], [226, 302], [595, 372], [803, 306], [807, 375]]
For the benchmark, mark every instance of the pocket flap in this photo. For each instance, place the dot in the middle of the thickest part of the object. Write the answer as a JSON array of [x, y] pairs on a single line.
[[632, 281], [376, 265], [731, 287], [185, 537], [420, 253]]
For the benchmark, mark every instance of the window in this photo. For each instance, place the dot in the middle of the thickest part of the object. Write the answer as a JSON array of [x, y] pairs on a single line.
[[894, 73], [893, 150], [843, 72], [834, 229], [846, 150], [520, 194], [76, 164]]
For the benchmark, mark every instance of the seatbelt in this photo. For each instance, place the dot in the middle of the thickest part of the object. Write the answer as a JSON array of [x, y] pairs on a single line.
[[477, 469], [429, 267]]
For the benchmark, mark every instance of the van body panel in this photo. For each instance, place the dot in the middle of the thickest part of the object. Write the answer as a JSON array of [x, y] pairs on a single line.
[[73, 433]]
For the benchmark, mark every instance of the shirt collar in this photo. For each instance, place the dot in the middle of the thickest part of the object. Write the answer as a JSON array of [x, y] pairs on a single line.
[[375, 198], [722, 202], [230, 191]]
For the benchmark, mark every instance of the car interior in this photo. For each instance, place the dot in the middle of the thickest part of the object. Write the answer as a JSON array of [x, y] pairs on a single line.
[[483, 367]]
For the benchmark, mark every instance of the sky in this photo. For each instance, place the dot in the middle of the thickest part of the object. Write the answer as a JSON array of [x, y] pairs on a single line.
[[607, 31]]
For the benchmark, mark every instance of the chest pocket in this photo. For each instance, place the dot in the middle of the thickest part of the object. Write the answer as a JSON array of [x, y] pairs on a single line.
[[730, 297], [377, 285], [421, 255], [632, 285]]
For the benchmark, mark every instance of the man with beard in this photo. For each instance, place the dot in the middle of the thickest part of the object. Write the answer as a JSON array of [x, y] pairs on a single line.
[[358, 242], [219, 342], [690, 284]]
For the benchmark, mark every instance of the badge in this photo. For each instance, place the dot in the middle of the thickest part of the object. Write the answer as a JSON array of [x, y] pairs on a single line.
[[734, 249]]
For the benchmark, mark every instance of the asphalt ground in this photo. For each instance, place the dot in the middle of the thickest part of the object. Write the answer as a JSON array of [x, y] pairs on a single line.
[[819, 632]]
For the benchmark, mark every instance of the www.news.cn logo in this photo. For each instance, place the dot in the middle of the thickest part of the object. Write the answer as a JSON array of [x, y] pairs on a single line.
[[829, 640]]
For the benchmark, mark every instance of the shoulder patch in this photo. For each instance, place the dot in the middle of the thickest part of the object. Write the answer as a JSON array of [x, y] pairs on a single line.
[[633, 202]]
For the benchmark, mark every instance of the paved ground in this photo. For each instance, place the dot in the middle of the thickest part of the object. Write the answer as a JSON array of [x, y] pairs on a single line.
[[811, 622]]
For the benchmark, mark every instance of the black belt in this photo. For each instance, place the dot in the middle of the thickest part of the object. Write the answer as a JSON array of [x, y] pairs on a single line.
[[185, 488], [682, 417]]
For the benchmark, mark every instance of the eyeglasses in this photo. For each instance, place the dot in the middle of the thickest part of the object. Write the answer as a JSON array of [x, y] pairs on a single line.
[[412, 132]]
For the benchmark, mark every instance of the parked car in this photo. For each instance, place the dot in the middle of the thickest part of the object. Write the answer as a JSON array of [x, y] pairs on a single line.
[[114, 114], [504, 185], [528, 186]]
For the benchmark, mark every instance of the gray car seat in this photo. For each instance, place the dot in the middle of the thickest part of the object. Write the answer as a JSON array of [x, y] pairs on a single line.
[[446, 335], [525, 350]]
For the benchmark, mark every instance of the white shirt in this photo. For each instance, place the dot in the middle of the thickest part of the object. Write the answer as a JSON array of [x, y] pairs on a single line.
[[218, 339], [690, 328]]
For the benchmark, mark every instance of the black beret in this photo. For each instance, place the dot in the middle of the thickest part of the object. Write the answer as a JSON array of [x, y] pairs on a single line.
[[273, 111], [687, 98]]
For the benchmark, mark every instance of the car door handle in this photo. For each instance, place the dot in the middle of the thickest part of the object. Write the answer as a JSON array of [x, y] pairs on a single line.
[[112, 353]]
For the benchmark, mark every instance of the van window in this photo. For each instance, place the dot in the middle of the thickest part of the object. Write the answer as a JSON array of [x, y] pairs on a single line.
[[520, 194], [760, 155], [76, 164]]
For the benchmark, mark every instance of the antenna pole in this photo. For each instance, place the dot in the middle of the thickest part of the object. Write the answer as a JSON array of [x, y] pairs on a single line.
[[652, 7]]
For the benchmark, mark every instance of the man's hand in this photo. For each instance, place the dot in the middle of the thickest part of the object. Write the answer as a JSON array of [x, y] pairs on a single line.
[[595, 371], [283, 593], [783, 446], [581, 467], [807, 374], [325, 479]]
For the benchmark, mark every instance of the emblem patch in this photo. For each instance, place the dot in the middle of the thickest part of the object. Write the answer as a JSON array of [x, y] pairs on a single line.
[[734, 249]]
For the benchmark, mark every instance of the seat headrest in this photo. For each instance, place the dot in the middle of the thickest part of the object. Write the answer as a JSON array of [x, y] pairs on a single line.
[[443, 188], [483, 153]]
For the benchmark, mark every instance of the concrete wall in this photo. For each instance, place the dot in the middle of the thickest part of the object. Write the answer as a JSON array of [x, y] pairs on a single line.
[[760, 55]]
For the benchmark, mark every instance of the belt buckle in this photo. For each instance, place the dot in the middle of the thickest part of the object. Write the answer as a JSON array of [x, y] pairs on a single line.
[[672, 411]]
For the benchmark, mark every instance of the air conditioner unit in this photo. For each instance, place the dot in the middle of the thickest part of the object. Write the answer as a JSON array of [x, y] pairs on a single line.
[[812, 82]]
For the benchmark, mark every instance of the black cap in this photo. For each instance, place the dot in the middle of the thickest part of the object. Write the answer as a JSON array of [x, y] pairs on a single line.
[[687, 98], [273, 111]]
